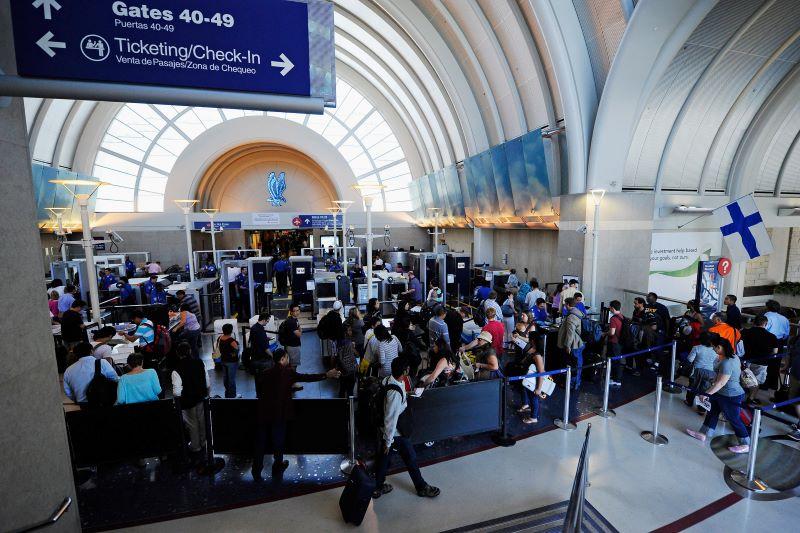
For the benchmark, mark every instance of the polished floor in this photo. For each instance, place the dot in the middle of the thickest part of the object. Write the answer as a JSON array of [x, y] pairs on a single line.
[[634, 485]]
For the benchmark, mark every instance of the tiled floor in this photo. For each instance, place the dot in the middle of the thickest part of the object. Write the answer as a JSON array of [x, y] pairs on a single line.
[[636, 486]]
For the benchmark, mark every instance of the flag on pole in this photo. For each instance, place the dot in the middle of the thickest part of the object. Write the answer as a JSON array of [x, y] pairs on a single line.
[[743, 229]]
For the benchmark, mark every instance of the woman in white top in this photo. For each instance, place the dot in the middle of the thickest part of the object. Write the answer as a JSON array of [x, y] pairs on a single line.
[[388, 350], [101, 348]]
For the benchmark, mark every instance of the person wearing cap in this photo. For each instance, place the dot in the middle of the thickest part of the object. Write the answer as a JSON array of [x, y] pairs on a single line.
[[487, 365]]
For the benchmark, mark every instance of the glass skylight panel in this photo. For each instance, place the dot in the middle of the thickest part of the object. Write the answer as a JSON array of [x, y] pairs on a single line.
[[149, 202], [335, 132], [233, 113], [398, 169], [361, 165], [112, 192], [115, 144], [169, 111], [117, 163], [153, 183], [389, 157], [319, 122], [190, 124], [103, 205]]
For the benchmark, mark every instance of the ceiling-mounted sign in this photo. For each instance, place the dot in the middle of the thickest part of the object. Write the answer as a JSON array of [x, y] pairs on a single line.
[[252, 46], [316, 221], [219, 225], [266, 219]]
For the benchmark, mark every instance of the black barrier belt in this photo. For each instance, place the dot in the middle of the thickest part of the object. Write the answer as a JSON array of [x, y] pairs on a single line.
[[593, 365]]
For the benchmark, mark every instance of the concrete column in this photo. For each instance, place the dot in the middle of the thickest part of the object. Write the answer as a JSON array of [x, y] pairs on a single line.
[[35, 469], [483, 246]]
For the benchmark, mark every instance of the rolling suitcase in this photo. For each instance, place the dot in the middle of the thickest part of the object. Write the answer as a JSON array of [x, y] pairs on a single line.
[[357, 494]]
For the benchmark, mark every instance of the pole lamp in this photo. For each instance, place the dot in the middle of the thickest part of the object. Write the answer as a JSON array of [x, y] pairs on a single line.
[[187, 206], [344, 205], [73, 187], [597, 198], [367, 192], [58, 213], [211, 214], [334, 211]]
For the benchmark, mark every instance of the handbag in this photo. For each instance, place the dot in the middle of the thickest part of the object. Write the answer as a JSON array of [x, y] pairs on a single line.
[[548, 385], [748, 379]]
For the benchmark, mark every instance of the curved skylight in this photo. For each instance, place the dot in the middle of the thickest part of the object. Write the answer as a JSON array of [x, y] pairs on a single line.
[[144, 141]]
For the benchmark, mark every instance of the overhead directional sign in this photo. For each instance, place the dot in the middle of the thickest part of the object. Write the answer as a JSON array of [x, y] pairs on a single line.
[[316, 221], [254, 46], [219, 225]]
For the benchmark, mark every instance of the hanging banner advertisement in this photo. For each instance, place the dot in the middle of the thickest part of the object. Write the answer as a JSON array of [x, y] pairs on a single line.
[[709, 287], [674, 257]]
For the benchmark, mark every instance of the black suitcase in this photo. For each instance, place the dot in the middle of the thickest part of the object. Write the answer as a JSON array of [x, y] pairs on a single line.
[[357, 494]]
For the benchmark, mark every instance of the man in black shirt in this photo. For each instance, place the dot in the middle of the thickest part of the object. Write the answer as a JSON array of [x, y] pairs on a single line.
[[662, 315], [190, 383], [289, 335], [261, 356], [455, 325], [758, 343], [733, 313], [73, 330]]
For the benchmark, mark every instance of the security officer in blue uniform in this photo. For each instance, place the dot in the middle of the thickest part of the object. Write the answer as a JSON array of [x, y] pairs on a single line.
[[130, 268], [281, 270], [108, 280], [149, 286], [239, 255], [158, 295], [126, 294], [243, 291]]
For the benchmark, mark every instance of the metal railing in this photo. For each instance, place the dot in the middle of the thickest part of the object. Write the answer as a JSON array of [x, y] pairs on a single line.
[[52, 519]]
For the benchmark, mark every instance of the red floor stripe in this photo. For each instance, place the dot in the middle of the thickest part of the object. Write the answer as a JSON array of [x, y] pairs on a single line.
[[701, 514]]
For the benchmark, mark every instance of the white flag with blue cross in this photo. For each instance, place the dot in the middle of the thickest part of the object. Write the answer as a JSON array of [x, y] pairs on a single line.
[[743, 229]]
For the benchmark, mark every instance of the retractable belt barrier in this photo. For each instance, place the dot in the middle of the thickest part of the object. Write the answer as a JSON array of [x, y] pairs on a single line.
[[317, 427], [124, 432]]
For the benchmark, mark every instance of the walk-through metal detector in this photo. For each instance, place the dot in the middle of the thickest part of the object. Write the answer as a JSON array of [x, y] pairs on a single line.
[[259, 275], [222, 255], [72, 272], [302, 274], [430, 267], [458, 274]]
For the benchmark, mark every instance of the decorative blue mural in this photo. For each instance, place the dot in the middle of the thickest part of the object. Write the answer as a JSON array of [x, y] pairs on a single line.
[[276, 186], [50, 195]]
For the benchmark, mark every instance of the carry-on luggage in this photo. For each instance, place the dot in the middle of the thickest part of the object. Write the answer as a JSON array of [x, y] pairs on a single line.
[[356, 495]]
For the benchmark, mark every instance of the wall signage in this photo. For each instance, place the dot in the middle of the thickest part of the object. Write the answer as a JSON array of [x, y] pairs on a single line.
[[316, 221], [276, 186]]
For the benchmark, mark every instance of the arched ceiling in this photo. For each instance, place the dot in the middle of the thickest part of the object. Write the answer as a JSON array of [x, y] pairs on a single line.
[[717, 110]]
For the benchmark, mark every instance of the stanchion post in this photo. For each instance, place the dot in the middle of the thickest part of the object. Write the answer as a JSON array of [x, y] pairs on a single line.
[[504, 438], [671, 387], [564, 422], [350, 462], [544, 351], [213, 464], [748, 478], [653, 437], [605, 412]]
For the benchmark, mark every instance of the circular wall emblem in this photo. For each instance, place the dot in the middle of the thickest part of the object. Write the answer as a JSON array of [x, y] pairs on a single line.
[[724, 266], [297, 222], [95, 48]]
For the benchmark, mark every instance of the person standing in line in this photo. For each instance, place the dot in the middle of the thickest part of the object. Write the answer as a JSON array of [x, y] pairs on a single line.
[[275, 409], [534, 294], [778, 325], [732, 312], [228, 349], [437, 328], [568, 292], [291, 335], [569, 337], [388, 349], [414, 292], [614, 344], [395, 432], [73, 330], [191, 385], [662, 314], [758, 344], [726, 395], [491, 303], [454, 319], [702, 358], [66, 299], [80, 373]]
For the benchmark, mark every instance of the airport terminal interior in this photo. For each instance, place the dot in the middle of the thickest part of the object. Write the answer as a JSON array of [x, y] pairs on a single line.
[[400, 265]]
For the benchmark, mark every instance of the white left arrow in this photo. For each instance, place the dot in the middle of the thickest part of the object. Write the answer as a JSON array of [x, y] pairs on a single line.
[[286, 65], [47, 6], [47, 45]]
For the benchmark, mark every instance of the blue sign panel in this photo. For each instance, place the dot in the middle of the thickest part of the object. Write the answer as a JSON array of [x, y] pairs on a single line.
[[316, 221], [259, 46], [218, 225]]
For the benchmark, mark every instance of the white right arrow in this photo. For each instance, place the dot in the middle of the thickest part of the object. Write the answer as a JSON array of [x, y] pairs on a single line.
[[285, 63], [47, 5], [47, 45]]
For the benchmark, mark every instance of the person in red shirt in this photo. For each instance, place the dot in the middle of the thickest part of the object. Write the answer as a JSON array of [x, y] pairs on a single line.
[[496, 328]]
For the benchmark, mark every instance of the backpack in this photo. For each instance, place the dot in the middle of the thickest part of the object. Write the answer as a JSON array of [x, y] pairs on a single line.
[[284, 333], [479, 316], [507, 310], [162, 342], [377, 402], [101, 392], [591, 331], [626, 338]]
